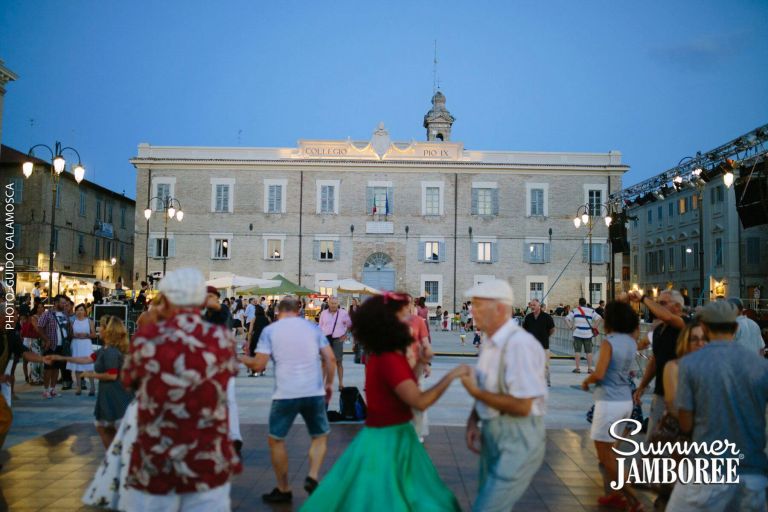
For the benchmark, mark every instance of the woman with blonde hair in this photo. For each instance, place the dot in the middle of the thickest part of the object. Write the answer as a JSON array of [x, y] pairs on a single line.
[[113, 398], [691, 339]]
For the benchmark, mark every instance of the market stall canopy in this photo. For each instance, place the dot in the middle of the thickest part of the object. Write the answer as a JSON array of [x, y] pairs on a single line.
[[235, 281], [285, 287], [350, 286]]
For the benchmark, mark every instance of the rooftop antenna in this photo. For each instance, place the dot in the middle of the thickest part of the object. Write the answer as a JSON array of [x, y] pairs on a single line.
[[435, 79]]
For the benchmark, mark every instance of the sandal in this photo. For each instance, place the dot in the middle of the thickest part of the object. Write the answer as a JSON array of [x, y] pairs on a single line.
[[575, 370], [589, 370]]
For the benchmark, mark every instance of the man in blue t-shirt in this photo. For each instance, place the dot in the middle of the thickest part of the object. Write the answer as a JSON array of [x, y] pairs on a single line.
[[722, 394]]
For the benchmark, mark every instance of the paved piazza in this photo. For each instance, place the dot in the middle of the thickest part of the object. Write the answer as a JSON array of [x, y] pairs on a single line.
[[53, 450]]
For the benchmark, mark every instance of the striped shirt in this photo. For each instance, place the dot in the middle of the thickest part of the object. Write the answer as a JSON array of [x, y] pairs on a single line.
[[582, 319]]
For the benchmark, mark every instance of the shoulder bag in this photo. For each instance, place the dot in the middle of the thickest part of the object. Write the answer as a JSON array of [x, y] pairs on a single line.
[[595, 331]]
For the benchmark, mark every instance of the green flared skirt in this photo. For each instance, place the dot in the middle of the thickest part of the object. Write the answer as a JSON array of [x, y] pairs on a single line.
[[384, 469]]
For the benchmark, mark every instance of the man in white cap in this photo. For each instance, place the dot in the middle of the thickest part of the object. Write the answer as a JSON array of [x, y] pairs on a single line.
[[182, 458], [510, 392]]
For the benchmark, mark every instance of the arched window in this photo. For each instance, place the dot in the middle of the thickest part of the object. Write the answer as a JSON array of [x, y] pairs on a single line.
[[378, 261]]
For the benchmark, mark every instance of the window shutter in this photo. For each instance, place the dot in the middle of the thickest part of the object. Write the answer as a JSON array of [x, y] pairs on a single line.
[[152, 243], [441, 248], [316, 249], [473, 251], [336, 250], [171, 248], [369, 200], [495, 201], [475, 200], [422, 250], [547, 253], [527, 253], [585, 253], [279, 199], [494, 252]]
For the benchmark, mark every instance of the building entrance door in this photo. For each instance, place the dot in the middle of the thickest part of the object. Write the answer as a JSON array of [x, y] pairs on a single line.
[[379, 271]]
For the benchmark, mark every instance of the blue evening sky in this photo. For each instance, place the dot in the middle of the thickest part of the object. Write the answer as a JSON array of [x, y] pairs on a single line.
[[657, 80]]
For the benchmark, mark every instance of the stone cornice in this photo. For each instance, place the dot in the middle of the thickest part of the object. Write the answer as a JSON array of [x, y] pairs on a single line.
[[6, 75]]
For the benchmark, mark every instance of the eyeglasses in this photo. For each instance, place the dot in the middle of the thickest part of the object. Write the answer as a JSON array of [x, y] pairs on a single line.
[[663, 302]]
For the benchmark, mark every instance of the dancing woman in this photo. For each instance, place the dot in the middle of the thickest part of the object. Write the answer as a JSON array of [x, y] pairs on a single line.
[[113, 398], [385, 467]]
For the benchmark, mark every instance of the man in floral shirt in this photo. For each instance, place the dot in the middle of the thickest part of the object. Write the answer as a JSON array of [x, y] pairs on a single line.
[[182, 458]]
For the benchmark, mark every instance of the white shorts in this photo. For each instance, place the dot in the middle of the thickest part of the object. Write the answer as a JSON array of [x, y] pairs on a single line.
[[606, 414], [215, 500]]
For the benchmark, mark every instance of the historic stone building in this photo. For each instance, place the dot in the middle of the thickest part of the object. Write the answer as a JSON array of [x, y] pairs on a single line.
[[426, 217], [696, 243], [93, 226]]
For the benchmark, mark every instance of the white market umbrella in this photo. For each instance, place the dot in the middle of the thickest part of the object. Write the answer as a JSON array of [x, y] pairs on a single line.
[[235, 281], [350, 286]]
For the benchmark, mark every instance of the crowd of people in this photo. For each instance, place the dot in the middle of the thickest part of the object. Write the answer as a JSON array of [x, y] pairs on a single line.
[[166, 408]]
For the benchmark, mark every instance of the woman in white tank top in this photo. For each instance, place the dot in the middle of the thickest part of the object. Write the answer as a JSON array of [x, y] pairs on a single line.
[[83, 334]]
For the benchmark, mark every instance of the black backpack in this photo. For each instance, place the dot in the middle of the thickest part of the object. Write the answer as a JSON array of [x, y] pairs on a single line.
[[352, 405]]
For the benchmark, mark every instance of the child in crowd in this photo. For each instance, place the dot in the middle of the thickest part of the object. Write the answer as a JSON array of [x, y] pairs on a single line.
[[113, 398], [445, 320]]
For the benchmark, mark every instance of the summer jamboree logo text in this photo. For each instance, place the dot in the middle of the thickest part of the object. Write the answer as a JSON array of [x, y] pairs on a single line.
[[701, 463]]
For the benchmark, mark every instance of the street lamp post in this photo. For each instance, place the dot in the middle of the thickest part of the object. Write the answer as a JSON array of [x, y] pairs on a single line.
[[586, 214], [171, 208], [58, 164]]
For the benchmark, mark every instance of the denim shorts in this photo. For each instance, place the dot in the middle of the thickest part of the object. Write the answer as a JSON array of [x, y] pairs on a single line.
[[312, 410]]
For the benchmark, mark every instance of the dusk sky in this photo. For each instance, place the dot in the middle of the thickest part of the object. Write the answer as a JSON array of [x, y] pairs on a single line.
[[656, 80]]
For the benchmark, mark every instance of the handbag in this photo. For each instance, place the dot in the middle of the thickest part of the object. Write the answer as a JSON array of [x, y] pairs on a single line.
[[595, 331], [667, 430]]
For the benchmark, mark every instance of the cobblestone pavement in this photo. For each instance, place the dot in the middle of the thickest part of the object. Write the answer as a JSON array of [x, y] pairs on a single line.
[[51, 472]]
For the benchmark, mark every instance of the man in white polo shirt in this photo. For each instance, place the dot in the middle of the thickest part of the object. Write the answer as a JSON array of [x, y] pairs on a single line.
[[304, 372], [510, 390]]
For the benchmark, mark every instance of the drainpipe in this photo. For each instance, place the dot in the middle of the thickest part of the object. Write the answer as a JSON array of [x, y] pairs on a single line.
[[146, 252], [301, 212], [455, 231]]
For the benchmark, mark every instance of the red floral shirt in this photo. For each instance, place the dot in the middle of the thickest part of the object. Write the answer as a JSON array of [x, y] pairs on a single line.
[[180, 368]]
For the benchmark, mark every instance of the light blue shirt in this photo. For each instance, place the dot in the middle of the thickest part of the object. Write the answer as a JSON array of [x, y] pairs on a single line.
[[294, 346], [614, 387], [250, 313], [748, 335], [726, 387]]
